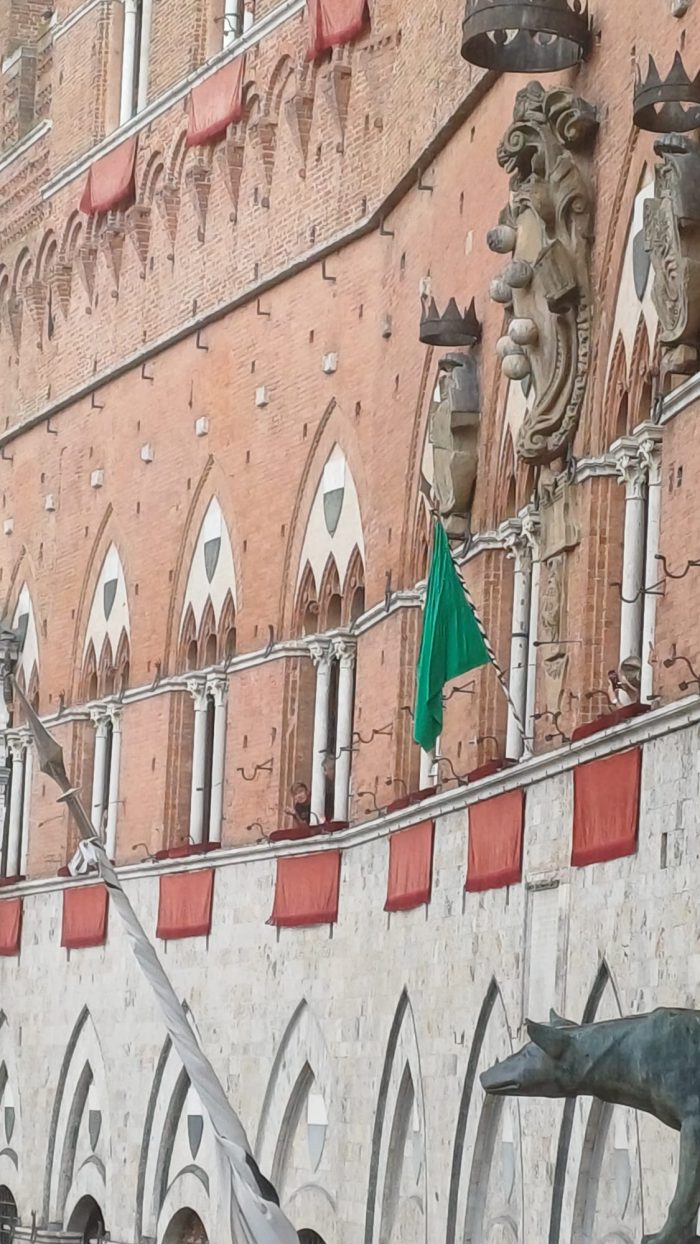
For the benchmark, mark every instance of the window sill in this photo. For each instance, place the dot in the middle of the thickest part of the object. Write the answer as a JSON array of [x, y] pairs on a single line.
[[189, 848], [407, 801], [614, 718]]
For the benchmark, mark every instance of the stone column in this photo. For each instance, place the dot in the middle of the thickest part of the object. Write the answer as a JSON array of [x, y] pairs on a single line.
[[519, 549], [27, 802], [126, 107], [219, 689], [14, 842], [344, 652], [321, 656], [99, 768], [197, 688], [426, 778], [650, 455], [115, 716], [145, 53], [531, 533], [632, 475]]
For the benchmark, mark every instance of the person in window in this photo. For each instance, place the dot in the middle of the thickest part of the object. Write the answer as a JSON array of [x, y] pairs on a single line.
[[301, 804]]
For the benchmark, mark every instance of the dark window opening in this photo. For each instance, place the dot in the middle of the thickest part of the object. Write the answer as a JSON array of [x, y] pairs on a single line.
[[192, 655], [210, 651], [230, 643], [8, 1214]]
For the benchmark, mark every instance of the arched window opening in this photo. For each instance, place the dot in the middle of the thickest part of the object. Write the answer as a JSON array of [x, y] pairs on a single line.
[[310, 622], [334, 611], [8, 1214], [357, 605], [510, 499], [92, 686], [192, 655], [87, 1220], [230, 643], [210, 651], [622, 421], [308, 1236], [185, 1228]]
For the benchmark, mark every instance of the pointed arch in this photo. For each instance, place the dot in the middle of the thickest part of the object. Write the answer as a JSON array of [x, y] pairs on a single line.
[[89, 686], [105, 669], [24, 625], [208, 641], [178, 1155], [10, 1107], [307, 604], [108, 617], [330, 598], [474, 1200], [79, 1133], [189, 651], [353, 592], [640, 380], [297, 1138], [334, 431], [334, 523], [227, 629], [400, 1104], [87, 591], [122, 664], [616, 395]]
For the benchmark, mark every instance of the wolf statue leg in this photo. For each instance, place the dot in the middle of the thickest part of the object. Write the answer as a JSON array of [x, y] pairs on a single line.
[[680, 1225]]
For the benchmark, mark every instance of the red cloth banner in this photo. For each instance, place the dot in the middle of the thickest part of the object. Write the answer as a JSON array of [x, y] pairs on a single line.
[[111, 181], [84, 917], [606, 808], [332, 22], [496, 841], [216, 103], [184, 905], [10, 926], [613, 718], [410, 867], [306, 890]]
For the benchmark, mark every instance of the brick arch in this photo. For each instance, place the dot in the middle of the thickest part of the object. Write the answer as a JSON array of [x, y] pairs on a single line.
[[307, 604], [334, 428], [227, 630], [353, 593], [175, 159], [21, 272], [616, 392], [279, 78], [46, 255], [122, 664], [70, 236], [213, 482], [188, 654], [330, 600], [152, 173]]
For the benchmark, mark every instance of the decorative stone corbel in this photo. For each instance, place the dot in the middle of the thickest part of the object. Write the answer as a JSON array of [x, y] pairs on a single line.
[[547, 228], [15, 309], [138, 230], [263, 131], [87, 263], [230, 159], [61, 281], [335, 84], [35, 298], [167, 200], [672, 238], [198, 182], [112, 241], [299, 114]]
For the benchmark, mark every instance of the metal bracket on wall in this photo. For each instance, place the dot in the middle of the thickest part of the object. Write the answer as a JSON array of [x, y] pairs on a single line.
[[198, 341], [145, 375], [325, 274], [95, 405], [385, 233]]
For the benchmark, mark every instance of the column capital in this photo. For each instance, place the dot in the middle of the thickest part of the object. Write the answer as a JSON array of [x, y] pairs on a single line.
[[16, 744], [113, 713], [516, 542], [344, 651], [631, 472], [531, 526], [650, 440], [217, 686], [197, 688], [320, 651]]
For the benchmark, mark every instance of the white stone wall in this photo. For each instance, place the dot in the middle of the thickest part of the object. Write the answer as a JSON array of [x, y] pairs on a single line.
[[385, 1021]]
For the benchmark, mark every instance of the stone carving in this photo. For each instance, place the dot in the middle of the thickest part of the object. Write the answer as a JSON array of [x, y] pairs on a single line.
[[552, 613], [454, 437], [672, 237], [558, 514], [547, 228], [647, 1062]]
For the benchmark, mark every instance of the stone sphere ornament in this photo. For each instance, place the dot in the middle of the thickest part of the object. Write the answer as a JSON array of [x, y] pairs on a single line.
[[500, 291], [502, 239], [524, 332], [516, 366]]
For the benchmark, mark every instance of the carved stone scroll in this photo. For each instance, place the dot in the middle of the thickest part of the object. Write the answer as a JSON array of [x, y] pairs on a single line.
[[672, 237], [547, 228]]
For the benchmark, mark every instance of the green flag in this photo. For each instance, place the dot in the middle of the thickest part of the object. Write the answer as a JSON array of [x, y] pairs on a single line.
[[451, 643]]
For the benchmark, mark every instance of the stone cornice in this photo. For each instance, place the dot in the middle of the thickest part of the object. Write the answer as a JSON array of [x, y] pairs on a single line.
[[654, 725]]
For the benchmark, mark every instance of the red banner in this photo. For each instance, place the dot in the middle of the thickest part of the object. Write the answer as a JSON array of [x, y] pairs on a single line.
[[110, 181], [606, 808], [184, 904], [496, 841], [216, 103], [84, 917], [410, 867], [306, 890], [10, 926], [332, 22]]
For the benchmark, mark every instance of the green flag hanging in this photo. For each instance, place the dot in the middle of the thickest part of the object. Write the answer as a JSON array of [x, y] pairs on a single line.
[[451, 643]]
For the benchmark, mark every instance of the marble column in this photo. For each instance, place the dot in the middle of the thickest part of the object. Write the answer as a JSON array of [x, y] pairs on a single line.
[[531, 532], [197, 688], [219, 689], [650, 454], [126, 108], [144, 53], [344, 652], [633, 475], [27, 802], [115, 716], [99, 768], [519, 549], [321, 656], [426, 778], [14, 842]]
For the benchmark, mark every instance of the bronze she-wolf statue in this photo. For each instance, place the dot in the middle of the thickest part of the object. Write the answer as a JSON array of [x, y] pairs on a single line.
[[649, 1062]]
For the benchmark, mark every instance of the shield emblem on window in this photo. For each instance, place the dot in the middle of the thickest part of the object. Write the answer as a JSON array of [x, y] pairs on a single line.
[[109, 592], [641, 263], [9, 1122], [94, 1127], [195, 1127], [212, 548], [333, 508]]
